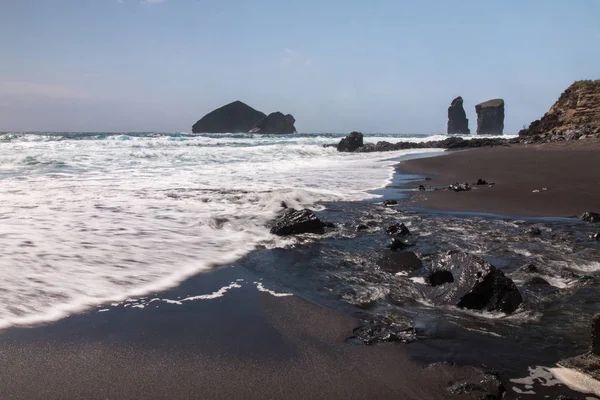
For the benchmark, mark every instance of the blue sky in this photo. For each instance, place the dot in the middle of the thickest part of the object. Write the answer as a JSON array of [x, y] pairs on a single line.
[[336, 65]]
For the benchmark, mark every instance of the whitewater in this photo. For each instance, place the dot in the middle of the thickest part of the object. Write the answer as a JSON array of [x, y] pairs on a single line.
[[91, 218]]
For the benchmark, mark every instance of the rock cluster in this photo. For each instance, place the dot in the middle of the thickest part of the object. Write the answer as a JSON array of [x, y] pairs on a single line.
[[490, 117], [574, 116], [238, 117], [458, 124], [292, 222]]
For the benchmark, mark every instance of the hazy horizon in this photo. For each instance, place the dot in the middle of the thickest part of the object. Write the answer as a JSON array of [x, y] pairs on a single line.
[[386, 67]]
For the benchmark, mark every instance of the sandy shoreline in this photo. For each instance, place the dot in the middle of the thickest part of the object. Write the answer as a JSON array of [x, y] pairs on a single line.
[[568, 172]]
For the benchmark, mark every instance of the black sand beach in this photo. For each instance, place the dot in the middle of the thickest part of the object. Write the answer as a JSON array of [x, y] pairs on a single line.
[[555, 179], [250, 344]]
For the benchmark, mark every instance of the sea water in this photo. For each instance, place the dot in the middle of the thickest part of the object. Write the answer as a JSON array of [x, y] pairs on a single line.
[[92, 217]]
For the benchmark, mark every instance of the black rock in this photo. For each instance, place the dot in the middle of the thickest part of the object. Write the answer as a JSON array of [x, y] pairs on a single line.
[[535, 231], [457, 118], [388, 327], [481, 182], [490, 117], [398, 243], [293, 222], [275, 123], [427, 178], [476, 284], [590, 217], [327, 224], [235, 117], [351, 142], [421, 188], [595, 236], [529, 268], [459, 187], [399, 261], [284, 205], [440, 277], [390, 202], [362, 227], [397, 230]]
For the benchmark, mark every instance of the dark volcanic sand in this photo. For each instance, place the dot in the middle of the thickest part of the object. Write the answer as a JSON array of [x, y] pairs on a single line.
[[569, 171], [245, 345]]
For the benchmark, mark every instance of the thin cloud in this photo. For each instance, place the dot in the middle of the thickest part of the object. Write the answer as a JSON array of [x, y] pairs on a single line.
[[153, 1], [295, 58]]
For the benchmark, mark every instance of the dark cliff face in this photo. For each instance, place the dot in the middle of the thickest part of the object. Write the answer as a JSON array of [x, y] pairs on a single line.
[[458, 124], [578, 107], [275, 123], [235, 117], [490, 117]]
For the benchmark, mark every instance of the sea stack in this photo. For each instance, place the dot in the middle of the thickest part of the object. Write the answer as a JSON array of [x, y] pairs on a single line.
[[275, 123], [575, 115], [458, 124], [236, 117], [490, 117]]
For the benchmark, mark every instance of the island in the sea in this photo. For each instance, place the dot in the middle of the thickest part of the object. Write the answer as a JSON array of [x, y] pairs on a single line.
[[238, 117]]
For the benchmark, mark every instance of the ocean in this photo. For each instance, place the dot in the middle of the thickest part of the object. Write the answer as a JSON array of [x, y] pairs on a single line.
[[94, 217]]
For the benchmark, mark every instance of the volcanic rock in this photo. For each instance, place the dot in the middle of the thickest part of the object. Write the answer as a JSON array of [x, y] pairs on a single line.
[[590, 217], [397, 230], [575, 115], [476, 284], [490, 117], [388, 327], [235, 117], [351, 142], [293, 222], [399, 261], [275, 123], [458, 124]]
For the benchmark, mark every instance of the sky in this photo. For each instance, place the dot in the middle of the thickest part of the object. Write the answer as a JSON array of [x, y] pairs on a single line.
[[337, 65]]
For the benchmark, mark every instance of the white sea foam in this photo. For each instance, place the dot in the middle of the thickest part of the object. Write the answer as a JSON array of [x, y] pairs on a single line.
[[104, 219]]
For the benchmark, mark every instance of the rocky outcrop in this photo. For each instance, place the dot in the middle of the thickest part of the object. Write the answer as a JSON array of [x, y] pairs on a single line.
[[490, 117], [388, 327], [399, 261], [292, 222], [588, 363], [467, 281], [458, 124], [575, 115], [235, 117], [275, 123], [590, 217], [354, 143], [351, 142]]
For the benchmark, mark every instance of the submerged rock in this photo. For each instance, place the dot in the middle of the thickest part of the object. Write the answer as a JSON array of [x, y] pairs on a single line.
[[398, 243], [481, 182], [490, 117], [590, 217], [470, 381], [397, 230], [399, 261], [476, 284], [388, 327], [459, 187], [588, 363], [534, 231], [458, 124], [351, 142], [536, 281], [275, 123], [235, 117], [293, 222], [390, 202]]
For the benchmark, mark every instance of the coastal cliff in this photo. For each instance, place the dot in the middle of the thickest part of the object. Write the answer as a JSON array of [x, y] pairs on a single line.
[[575, 115]]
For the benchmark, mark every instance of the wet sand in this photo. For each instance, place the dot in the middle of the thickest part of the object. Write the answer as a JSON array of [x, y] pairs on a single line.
[[570, 173], [244, 345]]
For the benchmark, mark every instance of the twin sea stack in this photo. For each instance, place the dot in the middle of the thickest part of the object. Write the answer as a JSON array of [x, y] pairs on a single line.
[[490, 118], [238, 117]]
